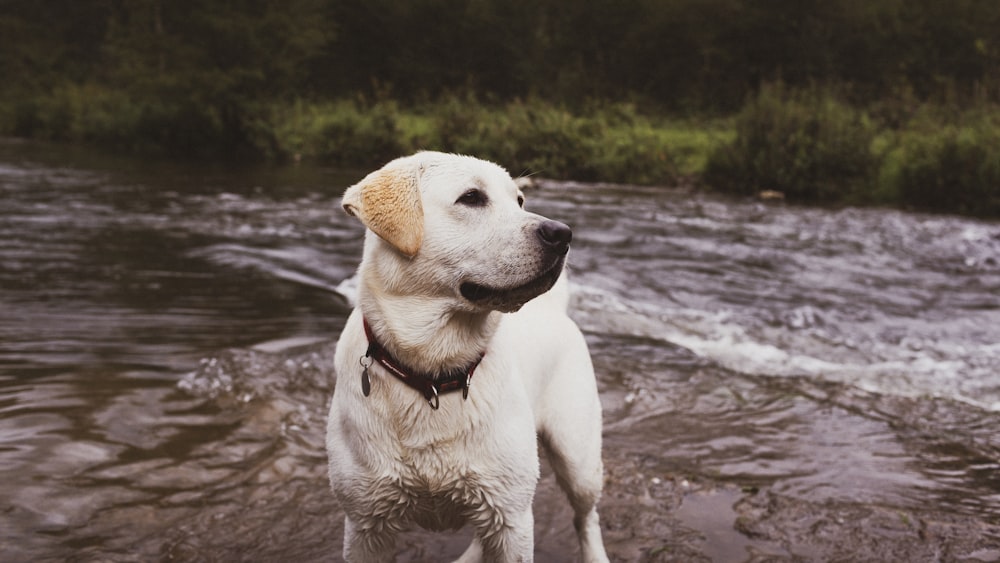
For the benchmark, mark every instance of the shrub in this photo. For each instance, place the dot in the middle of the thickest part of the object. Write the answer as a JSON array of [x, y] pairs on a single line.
[[946, 167], [534, 137], [640, 154], [345, 133], [370, 137], [157, 123], [551, 141], [805, 144]]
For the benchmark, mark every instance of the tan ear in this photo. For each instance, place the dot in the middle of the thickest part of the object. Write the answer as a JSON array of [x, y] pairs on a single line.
[[387, 201]]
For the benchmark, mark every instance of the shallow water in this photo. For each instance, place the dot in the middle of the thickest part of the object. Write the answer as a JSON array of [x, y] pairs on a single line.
[[166, 341]]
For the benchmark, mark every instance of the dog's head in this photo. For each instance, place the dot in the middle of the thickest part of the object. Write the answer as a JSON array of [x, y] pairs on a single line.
[[451, 225]]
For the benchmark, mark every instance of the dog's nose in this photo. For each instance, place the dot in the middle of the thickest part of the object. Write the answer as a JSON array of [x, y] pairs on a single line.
[[555, 235]]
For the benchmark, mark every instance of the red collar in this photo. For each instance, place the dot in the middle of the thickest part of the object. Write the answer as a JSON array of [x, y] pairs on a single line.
[[430, 386]]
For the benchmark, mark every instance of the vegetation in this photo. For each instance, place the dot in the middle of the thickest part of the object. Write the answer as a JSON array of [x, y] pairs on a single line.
[[881, 101], [812, 147], [804, 144], [611, 142]]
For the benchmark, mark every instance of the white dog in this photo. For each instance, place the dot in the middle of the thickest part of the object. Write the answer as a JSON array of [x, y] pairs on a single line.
[[458, 355]]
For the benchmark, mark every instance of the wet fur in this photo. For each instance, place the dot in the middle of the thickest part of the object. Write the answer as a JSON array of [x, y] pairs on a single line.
[[393, 460]]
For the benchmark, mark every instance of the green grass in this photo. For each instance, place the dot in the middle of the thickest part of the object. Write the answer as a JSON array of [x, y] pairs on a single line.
[[612, 143], [808, 144]]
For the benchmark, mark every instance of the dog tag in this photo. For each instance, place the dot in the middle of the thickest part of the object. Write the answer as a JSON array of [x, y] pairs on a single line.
[[366, 382]]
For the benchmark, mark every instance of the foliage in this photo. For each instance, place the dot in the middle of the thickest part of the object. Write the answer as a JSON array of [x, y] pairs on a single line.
[[677, 54], [702, 54], [937, 166], [343, 133], [116, 119], [614, 144], [183, 77], [805, 144], [559, 88], [813, 148]]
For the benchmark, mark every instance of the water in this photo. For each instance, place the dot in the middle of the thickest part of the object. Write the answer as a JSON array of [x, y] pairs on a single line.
[[166, 340]]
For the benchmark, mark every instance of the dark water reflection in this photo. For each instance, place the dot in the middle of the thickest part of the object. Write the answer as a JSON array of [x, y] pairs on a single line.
[[165, 352]]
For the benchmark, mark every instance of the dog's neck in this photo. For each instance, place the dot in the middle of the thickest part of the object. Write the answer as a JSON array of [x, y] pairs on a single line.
[[425, 333]]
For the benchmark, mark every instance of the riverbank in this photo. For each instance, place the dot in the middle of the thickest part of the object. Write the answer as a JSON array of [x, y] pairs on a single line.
[[807, 145]]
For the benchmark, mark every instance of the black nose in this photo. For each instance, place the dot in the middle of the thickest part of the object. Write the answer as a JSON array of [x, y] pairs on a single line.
[[555, 235]]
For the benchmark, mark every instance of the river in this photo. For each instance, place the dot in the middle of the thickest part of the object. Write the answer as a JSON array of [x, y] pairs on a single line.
[[779, 382]]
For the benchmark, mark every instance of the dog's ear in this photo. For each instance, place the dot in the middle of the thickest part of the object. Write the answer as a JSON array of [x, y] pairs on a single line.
[[387, 201]]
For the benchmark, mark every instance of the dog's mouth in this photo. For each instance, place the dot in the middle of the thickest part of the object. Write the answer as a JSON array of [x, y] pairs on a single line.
[[509, 300]]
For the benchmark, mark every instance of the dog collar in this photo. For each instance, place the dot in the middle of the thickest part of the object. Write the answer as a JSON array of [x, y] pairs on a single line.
[[430, 386]]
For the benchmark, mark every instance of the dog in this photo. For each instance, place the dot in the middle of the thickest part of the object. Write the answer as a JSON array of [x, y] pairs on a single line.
[[458, 359]]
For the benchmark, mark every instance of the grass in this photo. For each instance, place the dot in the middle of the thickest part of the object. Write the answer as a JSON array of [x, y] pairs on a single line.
[[807, 144], [611, 143]]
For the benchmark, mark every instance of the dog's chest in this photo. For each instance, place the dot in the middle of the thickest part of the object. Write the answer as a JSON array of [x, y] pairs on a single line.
[[442, 506], [435, 494], [445, 483]]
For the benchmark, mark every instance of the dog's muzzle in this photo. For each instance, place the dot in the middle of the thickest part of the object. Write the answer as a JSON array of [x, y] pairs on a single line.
[[555, 238]]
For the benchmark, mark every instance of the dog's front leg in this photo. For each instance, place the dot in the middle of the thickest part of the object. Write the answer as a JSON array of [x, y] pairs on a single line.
[[512, 542], [366, 545]]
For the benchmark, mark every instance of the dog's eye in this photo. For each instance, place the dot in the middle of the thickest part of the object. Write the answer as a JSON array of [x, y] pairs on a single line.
[[473, 198], [520, 201]]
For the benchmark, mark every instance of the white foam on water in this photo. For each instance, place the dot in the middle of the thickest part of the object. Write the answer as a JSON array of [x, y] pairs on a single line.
[[937, 369], [298, 264]]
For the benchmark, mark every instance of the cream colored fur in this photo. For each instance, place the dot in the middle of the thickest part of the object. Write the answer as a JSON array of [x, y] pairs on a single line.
[[394, 461]]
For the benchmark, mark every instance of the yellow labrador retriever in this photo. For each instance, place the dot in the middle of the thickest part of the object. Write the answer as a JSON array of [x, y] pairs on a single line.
[[459, 354]]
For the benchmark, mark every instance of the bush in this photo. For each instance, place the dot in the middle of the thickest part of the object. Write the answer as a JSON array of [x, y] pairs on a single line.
[[345, 133], [945, 167], [609, 144], [552, 142], [807, 145], [110, 118], [360, 138]]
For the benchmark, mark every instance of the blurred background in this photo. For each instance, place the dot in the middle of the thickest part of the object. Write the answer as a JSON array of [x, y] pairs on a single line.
[[883, 101]]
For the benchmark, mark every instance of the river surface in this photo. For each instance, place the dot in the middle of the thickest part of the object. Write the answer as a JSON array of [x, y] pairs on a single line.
[[779, 382]]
